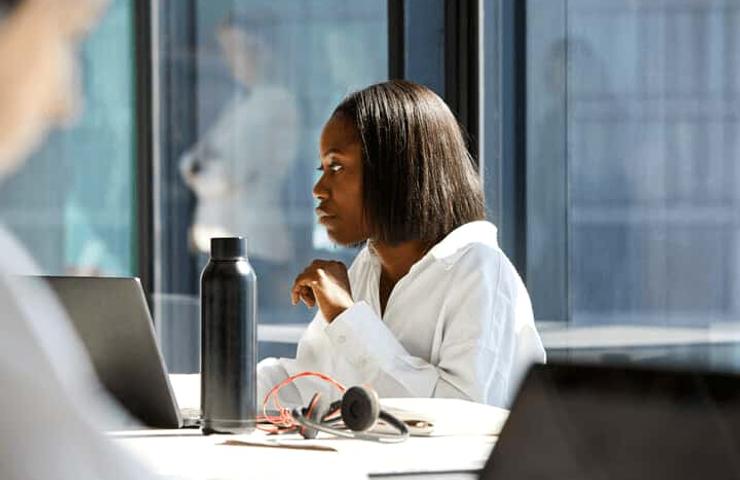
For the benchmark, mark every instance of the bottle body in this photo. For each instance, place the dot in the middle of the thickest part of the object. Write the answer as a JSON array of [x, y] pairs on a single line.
[[228, 346]]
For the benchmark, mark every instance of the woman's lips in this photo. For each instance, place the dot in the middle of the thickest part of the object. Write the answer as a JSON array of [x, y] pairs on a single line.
[[324, 216]]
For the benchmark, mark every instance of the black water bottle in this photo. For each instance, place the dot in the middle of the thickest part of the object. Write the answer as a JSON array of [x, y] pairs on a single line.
[[228, 361]]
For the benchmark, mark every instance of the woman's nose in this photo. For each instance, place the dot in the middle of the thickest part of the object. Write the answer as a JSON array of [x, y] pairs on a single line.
[[319, 189]]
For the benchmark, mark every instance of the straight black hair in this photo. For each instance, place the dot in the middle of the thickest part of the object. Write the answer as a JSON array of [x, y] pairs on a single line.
[[419, 180]]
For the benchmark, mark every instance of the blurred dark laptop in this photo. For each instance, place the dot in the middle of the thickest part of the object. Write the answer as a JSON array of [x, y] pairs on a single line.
[[112, 319], [598, 422]]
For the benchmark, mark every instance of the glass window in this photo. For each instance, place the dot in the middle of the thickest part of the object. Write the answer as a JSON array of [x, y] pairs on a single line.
[[632, 177], [244, 88], [72, 204]]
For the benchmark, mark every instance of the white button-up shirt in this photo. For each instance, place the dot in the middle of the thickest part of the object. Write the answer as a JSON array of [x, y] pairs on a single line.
[[459, 324]]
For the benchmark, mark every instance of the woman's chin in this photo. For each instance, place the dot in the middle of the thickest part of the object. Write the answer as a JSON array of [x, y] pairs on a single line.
[[345, 239]]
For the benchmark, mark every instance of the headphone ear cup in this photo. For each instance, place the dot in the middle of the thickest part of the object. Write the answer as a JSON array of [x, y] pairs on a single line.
[[314, 412], [360, 408]]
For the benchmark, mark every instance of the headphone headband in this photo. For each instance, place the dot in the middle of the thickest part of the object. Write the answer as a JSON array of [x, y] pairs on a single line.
[[360, 409], [401, 435]]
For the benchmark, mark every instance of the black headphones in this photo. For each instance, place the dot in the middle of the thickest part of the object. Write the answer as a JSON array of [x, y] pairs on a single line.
[[360, 411]]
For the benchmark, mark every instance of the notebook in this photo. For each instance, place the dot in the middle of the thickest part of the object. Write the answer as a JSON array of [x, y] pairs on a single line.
[[446, 416]]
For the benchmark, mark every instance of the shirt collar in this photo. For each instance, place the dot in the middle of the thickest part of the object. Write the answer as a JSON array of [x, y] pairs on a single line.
[[458, 241]]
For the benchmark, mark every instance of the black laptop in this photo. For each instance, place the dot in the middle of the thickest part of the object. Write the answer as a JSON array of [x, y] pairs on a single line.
[[600, 422]]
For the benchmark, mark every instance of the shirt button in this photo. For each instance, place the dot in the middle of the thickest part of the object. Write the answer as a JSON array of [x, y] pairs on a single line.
[[341, 339]]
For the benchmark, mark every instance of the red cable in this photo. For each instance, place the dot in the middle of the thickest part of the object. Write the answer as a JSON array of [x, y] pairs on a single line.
[[285, 420]]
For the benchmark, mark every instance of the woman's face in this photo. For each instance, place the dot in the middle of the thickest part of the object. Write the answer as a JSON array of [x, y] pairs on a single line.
[[39, 85], [339, 189]]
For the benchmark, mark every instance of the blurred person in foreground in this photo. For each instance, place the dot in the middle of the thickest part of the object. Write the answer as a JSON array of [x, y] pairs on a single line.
[[52, 407]]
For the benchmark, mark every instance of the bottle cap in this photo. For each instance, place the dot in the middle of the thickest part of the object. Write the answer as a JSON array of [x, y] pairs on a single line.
[[228, 248]]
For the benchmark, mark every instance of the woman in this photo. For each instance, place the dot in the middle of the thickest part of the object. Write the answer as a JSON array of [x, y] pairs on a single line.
[[431, 306]]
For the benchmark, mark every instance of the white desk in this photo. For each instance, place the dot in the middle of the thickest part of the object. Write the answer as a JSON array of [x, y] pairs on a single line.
[[189, 455]]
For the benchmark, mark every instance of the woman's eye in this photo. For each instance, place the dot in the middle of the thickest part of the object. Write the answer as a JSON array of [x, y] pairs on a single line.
[[334, 167]]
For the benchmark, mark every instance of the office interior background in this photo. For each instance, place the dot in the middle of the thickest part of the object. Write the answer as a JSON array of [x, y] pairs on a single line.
[[605, 131]]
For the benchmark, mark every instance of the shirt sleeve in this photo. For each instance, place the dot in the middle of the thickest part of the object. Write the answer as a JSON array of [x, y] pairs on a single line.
[[364, 341], [478, 340], [270, 373]]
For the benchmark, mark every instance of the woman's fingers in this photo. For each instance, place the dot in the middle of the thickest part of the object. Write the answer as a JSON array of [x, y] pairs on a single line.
[[302, 288], [308, 297], [324, 284]]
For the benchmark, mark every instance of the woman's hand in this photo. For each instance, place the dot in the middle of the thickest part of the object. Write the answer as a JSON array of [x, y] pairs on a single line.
[[325, 283]]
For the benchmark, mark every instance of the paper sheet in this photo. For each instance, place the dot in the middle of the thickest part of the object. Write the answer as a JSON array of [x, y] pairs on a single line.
[[446, 416]]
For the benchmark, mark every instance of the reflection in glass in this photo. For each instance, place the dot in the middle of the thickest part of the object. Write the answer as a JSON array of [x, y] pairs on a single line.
[[238, 167], [244, 89]]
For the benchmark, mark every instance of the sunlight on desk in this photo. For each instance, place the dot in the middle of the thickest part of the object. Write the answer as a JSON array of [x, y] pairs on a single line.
[[190, 455]]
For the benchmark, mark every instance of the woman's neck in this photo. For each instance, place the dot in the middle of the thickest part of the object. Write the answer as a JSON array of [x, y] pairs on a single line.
[[396, 260]]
